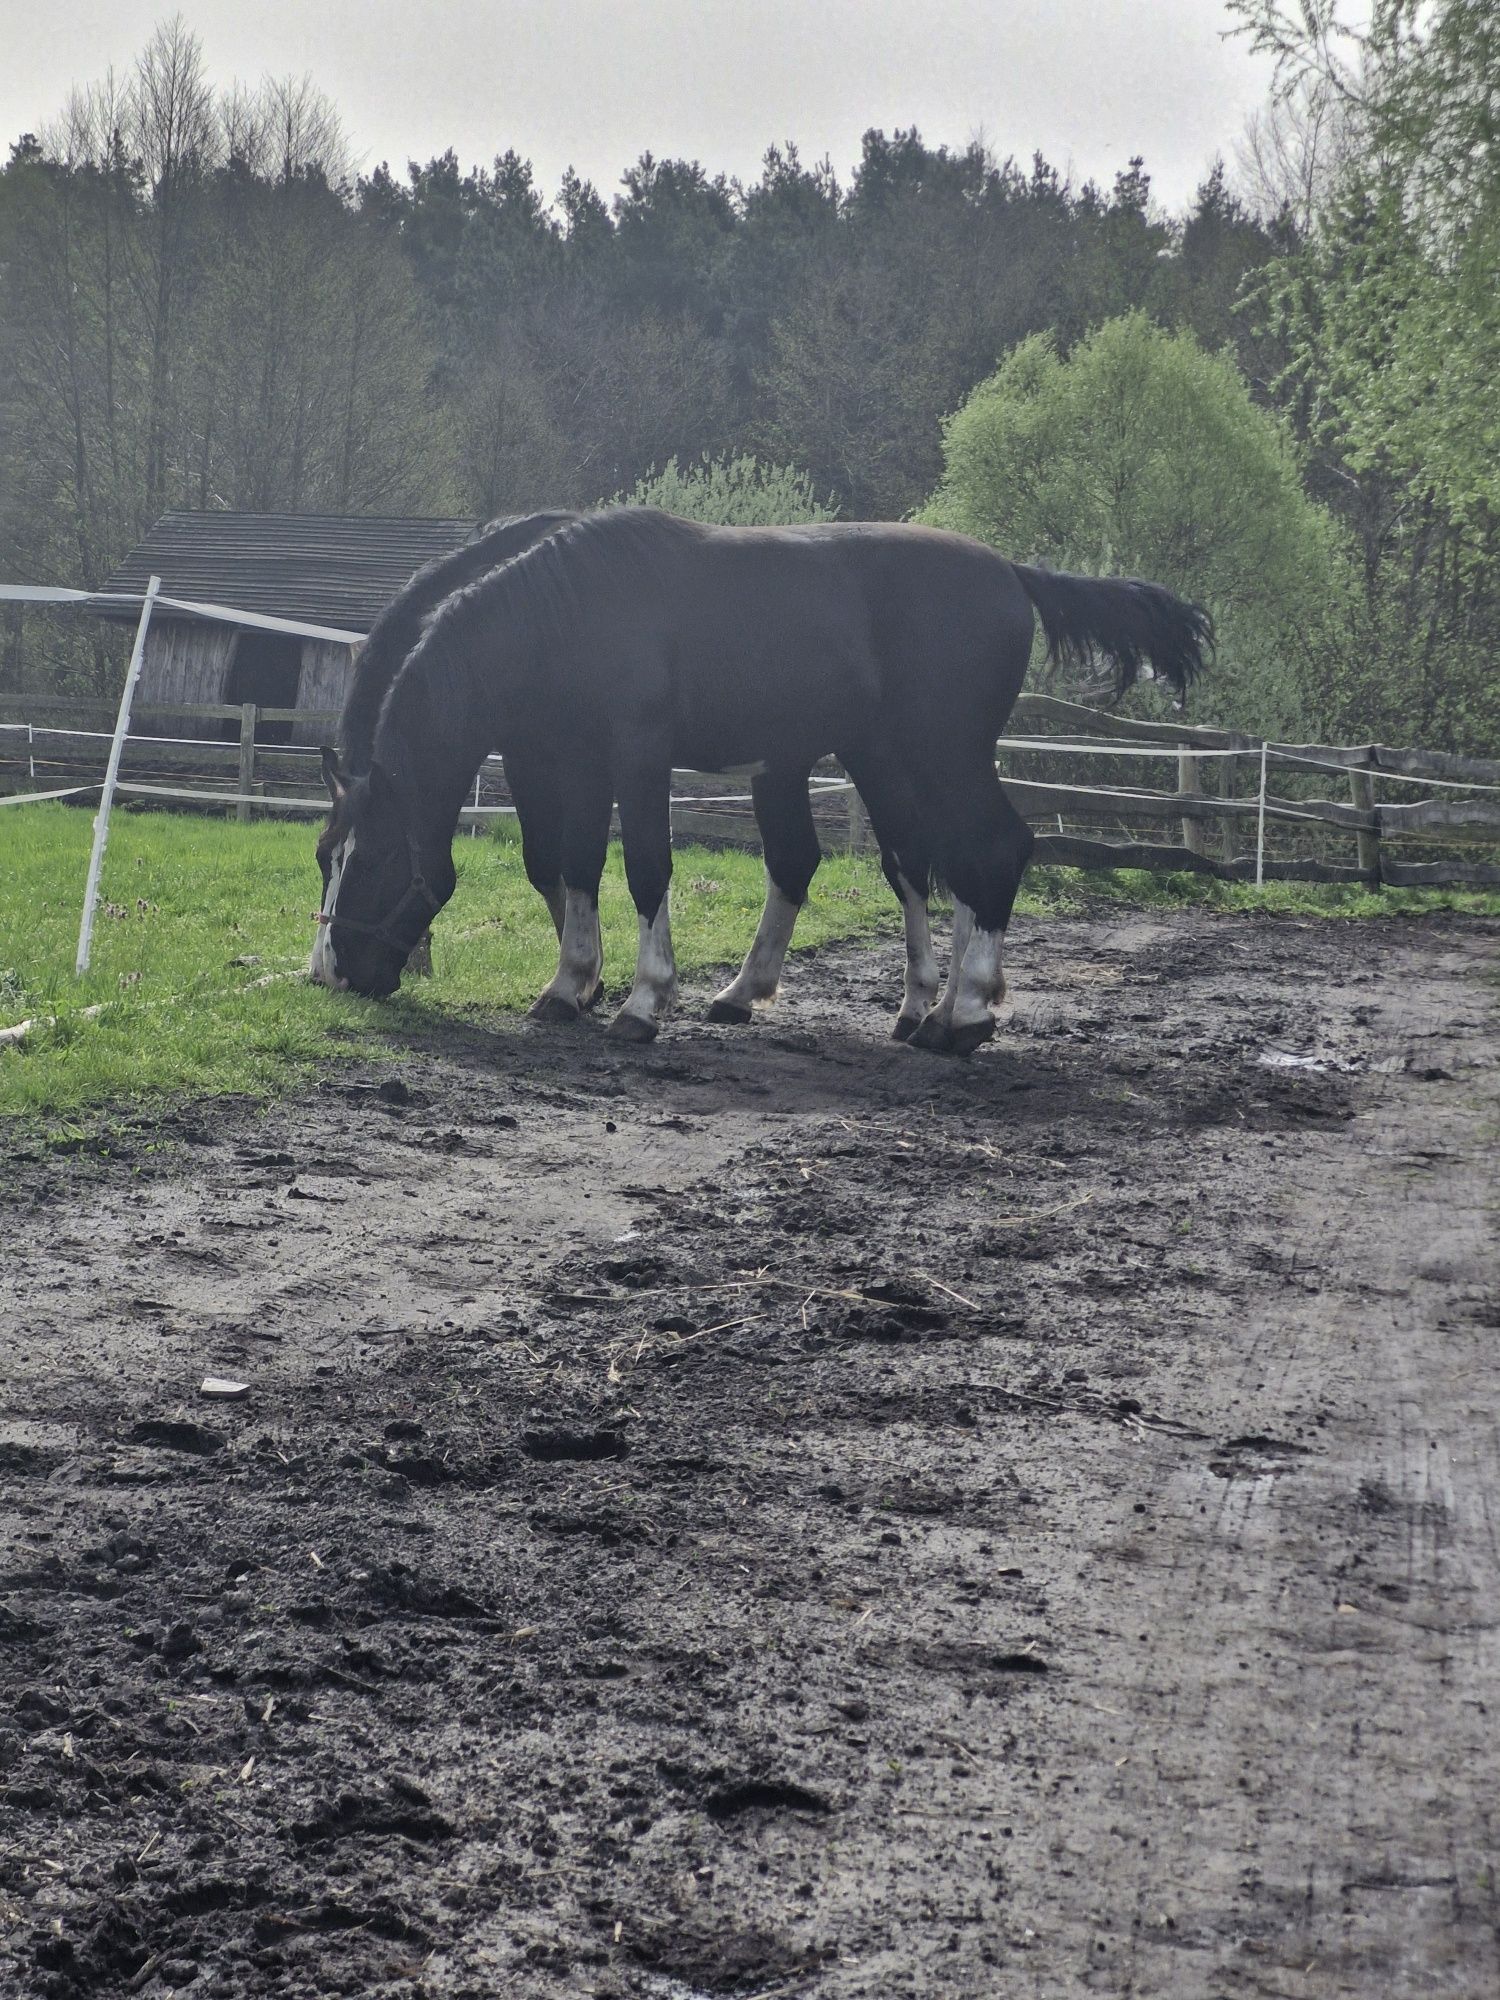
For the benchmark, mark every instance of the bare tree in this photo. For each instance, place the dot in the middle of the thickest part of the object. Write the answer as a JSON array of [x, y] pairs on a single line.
[[173, 132]]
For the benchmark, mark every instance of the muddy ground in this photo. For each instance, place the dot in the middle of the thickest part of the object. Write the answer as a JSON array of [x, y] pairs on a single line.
[[776, 1513]]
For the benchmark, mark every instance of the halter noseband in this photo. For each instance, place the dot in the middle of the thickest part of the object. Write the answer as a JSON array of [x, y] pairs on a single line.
[[415, 890]]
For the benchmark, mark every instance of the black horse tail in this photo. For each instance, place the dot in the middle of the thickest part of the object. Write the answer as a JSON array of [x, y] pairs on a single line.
[[1129, 623]]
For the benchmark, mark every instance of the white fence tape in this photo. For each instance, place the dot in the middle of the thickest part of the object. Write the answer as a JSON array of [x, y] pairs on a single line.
[[225, 614]]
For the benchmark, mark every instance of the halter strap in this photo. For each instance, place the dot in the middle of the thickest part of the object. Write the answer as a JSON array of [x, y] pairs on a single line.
[[415, 890]]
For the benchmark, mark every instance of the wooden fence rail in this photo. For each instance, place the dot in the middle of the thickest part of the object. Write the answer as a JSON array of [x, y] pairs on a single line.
[[44, 741]]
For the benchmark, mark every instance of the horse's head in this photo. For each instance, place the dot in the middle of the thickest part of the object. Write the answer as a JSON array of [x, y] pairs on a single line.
[[380, 891]]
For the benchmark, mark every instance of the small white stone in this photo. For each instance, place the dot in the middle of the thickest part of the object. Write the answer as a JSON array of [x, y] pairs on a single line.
[[221, 1387]]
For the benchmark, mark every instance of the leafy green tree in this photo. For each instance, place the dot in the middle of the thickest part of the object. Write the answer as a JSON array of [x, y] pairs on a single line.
[[1390, 314], [737, 492], [1142, 454]]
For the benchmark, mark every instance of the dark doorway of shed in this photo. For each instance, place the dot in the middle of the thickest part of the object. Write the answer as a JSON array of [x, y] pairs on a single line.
[[266, 668]]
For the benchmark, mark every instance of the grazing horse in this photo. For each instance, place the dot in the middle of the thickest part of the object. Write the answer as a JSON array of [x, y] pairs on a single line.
[[627, 642], [381, 657], [538, 787]]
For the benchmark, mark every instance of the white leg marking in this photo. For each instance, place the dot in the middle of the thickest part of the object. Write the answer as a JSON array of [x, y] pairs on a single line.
[[321, 966], [921, 961], [580, 954], [655, 985], [760, 975], [557, 903], [981, 982], [963, 930]]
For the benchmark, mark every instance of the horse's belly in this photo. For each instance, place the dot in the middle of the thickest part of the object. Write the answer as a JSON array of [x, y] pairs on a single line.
[[756, 715]]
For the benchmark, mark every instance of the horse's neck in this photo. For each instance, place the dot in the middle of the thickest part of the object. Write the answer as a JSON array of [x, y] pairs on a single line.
[[433, 741]]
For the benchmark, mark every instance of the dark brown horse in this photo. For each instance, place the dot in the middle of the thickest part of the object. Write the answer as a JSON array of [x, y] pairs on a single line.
[[624, 643]]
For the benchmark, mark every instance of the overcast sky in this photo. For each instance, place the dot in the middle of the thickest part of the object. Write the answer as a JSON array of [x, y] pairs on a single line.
[[594, 83]]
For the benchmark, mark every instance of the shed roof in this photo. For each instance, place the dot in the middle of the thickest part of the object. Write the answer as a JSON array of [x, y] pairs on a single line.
[[324, 569]]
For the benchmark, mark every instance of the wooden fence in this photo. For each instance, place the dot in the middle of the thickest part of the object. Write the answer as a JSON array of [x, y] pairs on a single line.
[[1226, 818]]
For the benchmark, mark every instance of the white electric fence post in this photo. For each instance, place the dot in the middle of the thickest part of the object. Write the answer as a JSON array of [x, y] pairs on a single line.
[[1260, 826], [111, 775]]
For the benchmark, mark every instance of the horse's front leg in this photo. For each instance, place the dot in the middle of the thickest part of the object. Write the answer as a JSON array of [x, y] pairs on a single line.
[[789, 840], [564, 835], [646, 834]]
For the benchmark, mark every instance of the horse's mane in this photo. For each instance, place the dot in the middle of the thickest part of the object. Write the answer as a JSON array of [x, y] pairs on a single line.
[[399, 627], [535, 595]]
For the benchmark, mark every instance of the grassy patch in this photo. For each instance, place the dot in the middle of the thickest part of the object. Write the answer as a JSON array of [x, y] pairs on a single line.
[[195, 912]]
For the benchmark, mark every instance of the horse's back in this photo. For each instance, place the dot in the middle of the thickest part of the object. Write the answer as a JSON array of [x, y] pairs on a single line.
[[749, 642]]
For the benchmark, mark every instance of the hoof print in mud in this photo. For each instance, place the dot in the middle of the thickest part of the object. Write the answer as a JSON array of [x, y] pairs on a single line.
[[554, 1447], [167, 1436], [727, 1802]]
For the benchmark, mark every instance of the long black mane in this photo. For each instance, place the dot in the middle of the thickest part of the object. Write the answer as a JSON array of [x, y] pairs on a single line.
[[533, 596], [520, 608], [400, 625]]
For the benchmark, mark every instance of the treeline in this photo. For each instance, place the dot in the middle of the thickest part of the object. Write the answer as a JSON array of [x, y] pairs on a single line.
[[202, 306], [201, 309]]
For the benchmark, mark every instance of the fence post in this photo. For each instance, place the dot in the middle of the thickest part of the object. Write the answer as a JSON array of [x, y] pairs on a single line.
[[856, 820], [1190, 784], [1260, 824], [1362, 793], [111, 778], [249, 716]]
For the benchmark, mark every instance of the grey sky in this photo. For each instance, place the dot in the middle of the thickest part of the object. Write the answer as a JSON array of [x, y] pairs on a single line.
[[593, 83]]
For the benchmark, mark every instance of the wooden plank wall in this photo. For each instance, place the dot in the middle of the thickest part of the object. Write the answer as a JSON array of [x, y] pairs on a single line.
[[186, 663], [326, 667]]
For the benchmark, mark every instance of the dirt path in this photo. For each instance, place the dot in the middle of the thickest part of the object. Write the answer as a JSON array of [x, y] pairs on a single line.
[[778, 1514]]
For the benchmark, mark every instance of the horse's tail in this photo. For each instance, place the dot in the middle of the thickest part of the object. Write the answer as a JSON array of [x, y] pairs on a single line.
[[1122, 620]]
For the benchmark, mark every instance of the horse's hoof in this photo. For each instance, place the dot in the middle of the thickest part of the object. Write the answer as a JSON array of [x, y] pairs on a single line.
[[971, 1036], [594, 998], [931, 1033], [631, 1028], [553, 1010], [730, 1010], [906, 1026]]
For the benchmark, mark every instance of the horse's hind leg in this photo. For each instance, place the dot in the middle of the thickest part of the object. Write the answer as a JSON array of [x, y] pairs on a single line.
[[584, 840], [645, 795], [789, 841], [891, 803], [983, 845]]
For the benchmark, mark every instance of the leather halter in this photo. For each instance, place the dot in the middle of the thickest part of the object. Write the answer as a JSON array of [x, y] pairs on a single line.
[[415, 890]]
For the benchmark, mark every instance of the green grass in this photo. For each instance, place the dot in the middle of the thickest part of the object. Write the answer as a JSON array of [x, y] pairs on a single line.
[[186, 901], [196, 911]]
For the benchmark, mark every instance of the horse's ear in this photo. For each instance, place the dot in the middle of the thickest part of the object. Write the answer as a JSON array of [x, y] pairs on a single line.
[[334, 775]]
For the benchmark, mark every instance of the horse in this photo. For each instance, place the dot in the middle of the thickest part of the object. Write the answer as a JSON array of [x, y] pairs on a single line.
[[627, 642], [536, 787]]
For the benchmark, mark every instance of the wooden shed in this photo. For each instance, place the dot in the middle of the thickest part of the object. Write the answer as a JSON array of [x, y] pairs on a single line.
[[331, 570]]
